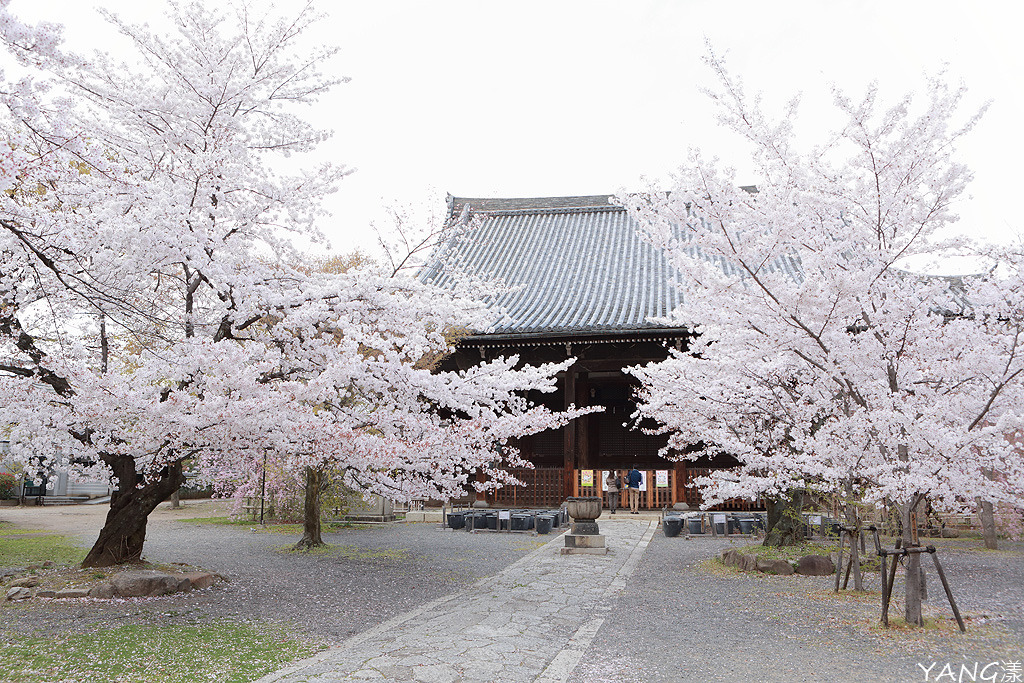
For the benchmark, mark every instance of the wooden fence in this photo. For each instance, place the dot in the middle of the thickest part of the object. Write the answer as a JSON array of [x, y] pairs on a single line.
[[549, 486]]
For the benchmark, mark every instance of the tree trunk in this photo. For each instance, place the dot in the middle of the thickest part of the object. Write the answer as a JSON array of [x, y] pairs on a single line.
[[124, 531], [176, 498], [988, 523], [785, 523], [912, 582], [311, 510]]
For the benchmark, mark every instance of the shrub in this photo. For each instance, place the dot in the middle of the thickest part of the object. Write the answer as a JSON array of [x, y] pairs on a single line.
[[7, 485]]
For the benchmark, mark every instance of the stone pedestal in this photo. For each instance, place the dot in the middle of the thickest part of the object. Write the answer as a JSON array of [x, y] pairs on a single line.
[[584, 544], [584, 538]]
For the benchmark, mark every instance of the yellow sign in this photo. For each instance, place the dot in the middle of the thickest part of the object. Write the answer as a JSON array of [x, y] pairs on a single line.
[[586, 477]]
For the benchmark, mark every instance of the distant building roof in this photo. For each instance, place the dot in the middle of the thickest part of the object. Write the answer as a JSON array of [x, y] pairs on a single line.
[[574, 265]]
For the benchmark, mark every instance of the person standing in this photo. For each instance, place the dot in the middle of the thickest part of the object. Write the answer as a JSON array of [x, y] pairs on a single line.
[[634, 477], [612, 484]]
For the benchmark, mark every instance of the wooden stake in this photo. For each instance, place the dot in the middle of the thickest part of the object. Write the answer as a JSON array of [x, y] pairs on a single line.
[[839, 560], [882, 556], [945, 585], [887, 596]]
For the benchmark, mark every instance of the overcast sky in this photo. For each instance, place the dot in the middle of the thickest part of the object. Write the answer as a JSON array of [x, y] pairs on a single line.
[[552, 98]]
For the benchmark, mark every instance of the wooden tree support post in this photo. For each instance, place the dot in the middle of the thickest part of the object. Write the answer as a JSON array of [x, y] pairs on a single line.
[[887, 590], [839, 560], [945, 585], [883, 575]]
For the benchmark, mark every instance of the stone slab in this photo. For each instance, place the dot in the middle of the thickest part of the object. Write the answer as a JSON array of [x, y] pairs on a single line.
[[584, 541], [584, 551]]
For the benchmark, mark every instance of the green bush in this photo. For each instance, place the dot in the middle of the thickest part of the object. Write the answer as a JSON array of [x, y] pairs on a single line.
[[7, 485]]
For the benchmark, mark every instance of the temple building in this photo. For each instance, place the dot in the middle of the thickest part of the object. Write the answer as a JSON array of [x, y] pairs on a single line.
[[581, 283]]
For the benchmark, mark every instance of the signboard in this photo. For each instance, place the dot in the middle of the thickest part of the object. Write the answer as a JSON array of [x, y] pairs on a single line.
[[643, 480], [661, 479], [604, 480], [719, 519], [815, 520], [504, 514], [586, 477]]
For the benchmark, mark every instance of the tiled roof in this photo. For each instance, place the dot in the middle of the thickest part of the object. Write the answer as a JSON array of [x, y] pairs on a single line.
[[573, 264]]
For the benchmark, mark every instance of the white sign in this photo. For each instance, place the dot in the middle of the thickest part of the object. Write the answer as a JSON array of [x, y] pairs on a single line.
[[504, 514], [815, 520], [604, 480], [643, 480], [719, 519]]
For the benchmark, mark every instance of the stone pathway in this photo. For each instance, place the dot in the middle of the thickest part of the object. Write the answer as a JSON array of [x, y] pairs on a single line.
[[531, 622]]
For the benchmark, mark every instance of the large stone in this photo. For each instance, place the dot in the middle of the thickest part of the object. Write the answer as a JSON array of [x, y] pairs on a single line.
[[102, 590], [26, 582], [747, 562], [815, 565], [201, 579], [46, 593], [73, 593], [19, 593], [147, 583], [731, 557], [780, 567]]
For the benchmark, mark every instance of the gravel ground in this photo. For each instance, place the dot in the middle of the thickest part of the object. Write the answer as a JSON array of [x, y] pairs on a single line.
[[678, 620], [369, 575]]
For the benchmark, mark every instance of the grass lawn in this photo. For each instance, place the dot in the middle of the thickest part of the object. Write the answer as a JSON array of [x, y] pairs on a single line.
[[20, 547], [221, 651]]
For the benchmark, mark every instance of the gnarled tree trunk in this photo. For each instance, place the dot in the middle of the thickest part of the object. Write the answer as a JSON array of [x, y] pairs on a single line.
[[785, 522], [315, 480], [124, 531]]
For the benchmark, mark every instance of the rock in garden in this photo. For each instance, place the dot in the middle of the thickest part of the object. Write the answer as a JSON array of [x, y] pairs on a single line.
[[73, 593], [26, 582], [747, 563], [781, 567], [102, 590], [950, 533], [731, 557], [147, 583], [19, 593], [201, 579], [815, 565], [46, 593]]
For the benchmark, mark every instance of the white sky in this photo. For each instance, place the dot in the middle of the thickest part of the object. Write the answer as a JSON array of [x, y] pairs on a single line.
[[544, 98]]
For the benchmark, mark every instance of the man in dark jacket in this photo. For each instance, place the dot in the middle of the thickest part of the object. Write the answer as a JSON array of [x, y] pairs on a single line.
[[634, 478]]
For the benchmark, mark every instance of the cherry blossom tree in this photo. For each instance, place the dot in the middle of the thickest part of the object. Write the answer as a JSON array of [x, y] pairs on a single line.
[[821, 360], [151, 306]]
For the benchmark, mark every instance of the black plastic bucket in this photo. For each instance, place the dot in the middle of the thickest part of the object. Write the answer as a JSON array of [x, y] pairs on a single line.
[[672, 526], [456, 520], [544, 524], [693, 525]]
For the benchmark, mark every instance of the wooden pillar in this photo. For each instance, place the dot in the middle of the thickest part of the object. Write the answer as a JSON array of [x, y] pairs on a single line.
[[679, 487], [569, 433], [582, 398]]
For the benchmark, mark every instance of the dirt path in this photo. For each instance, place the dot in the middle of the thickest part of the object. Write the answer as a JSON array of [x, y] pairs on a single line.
[[84, 522]]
